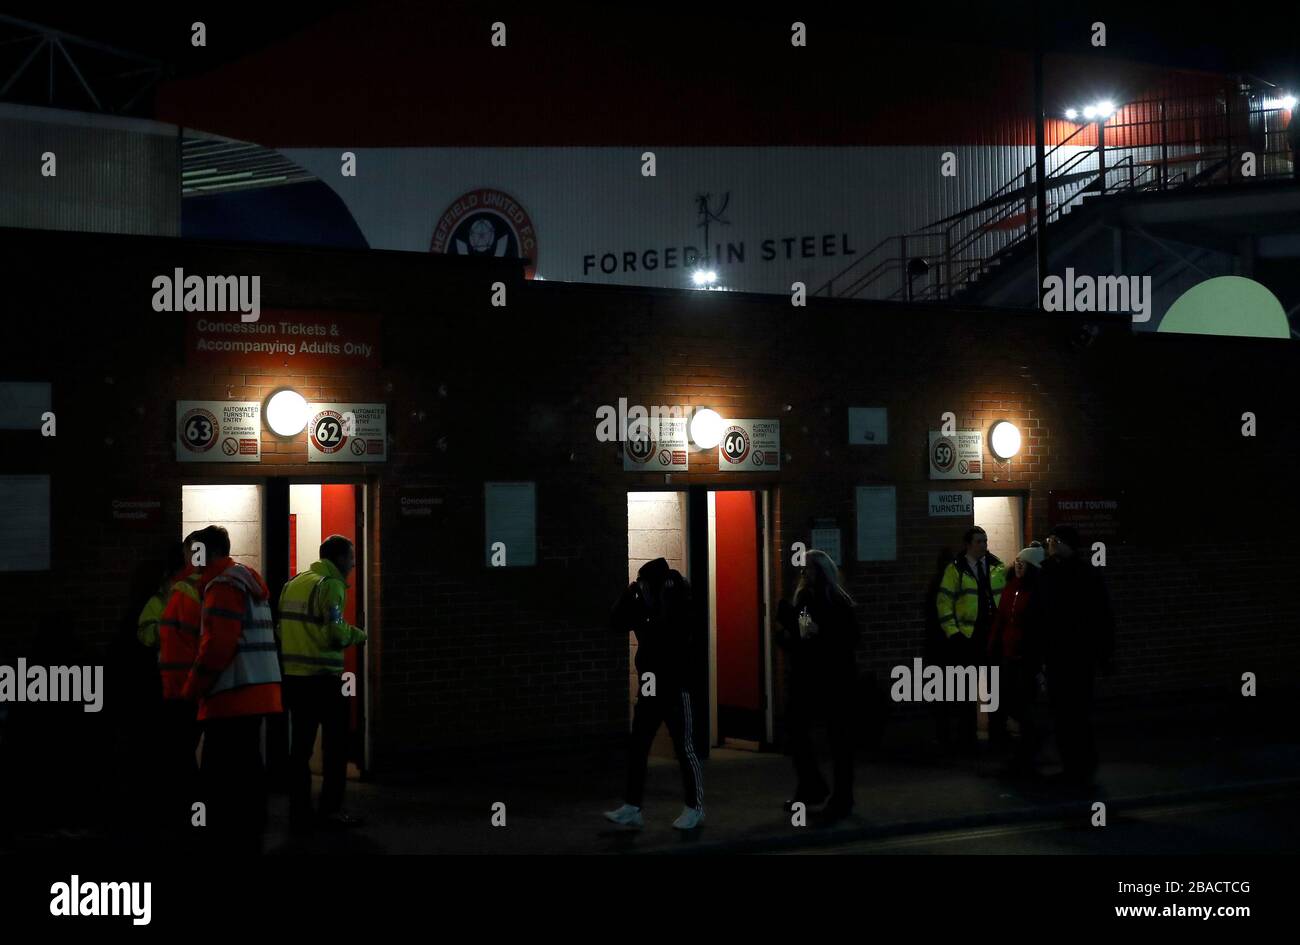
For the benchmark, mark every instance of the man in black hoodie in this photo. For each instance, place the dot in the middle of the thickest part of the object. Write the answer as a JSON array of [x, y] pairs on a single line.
[[1071, 613], [657, 608]]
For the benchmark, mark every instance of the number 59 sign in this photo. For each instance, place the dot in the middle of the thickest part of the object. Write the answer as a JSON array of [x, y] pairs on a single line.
[[957, 456]]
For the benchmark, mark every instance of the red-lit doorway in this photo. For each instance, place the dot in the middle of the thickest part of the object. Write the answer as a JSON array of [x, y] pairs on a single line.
[[317, 511], [715, 538], [739, 651]]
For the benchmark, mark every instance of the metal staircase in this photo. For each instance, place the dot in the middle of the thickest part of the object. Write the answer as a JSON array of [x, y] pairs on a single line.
[[1159, 145]]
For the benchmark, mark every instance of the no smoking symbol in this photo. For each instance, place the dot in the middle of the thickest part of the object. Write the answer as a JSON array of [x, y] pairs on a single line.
[[665, 458], [963, 467], [358, 447], [230, 446]]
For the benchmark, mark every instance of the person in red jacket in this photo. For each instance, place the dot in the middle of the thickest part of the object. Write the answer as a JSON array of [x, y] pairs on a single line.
[[1012, 645], [178, 639], [236, 681]]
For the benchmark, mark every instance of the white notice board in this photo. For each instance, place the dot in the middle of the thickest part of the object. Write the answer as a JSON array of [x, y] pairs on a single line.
[[952, 503]]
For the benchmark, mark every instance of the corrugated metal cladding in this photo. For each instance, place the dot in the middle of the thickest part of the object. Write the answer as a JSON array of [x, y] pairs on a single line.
[[113, 175], [593, 212]]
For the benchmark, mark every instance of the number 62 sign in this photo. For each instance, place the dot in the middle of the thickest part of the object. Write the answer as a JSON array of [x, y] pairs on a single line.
[[347, 433]]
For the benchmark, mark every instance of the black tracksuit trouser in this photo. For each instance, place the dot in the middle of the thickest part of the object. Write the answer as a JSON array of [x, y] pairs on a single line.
[[672, 707]]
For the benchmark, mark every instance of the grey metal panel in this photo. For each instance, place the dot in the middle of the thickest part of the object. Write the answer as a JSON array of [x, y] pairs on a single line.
[[593, 200], [24, 523], [108, 180], [22, 403]]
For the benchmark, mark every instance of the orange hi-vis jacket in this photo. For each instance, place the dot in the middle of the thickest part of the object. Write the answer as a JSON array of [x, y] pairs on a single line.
[[178, 631], [236, 671]]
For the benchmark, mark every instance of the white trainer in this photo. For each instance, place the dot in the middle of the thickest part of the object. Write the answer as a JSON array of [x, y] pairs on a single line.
[[627, 815], [689, 818]]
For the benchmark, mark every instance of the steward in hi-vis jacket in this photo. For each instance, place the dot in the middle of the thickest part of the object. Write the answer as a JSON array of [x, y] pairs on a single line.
[[313, 635]]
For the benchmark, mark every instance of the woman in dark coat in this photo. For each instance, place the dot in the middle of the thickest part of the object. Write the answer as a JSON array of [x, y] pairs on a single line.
[[819, 632]]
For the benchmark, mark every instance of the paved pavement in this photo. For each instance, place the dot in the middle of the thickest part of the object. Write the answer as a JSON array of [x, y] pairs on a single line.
[[1266, 822], [908, 788]]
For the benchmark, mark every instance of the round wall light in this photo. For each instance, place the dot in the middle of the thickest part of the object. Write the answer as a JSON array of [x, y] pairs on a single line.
[[706, 428], [1004, 439], [286, 413]]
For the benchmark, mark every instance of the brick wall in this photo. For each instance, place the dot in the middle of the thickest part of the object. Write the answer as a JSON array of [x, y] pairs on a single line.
[[501, 660]]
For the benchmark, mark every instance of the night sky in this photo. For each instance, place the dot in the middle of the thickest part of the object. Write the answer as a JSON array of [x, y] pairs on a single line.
[[1260, 39]]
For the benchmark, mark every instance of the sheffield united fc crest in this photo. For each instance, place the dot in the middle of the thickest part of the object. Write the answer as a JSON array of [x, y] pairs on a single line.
[[487, 222]]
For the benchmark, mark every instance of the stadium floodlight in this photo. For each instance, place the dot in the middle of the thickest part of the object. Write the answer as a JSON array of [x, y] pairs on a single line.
[[1090, 112], [1071, 113], [1106, 108]]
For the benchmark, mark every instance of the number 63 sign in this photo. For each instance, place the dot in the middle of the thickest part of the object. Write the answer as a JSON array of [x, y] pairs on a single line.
[[218, 431]]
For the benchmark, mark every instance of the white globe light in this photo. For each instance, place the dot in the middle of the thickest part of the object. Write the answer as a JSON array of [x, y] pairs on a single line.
[[698, 277], [1106, 108], [706, 428], [1005, 439], [1071, 113], [286, 413], [1288, 102], [1090, 112]]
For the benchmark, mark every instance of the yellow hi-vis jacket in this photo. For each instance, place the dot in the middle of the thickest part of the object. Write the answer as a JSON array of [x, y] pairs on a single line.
[[146, 630], [958, 600], [312, 631]]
